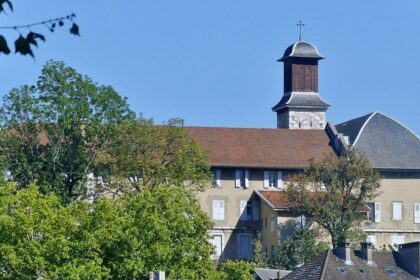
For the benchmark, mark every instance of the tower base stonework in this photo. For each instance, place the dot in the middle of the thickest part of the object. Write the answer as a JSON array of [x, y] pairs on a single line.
[[301, 118]]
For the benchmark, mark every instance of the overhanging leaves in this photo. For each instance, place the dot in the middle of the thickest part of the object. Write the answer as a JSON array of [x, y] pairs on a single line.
[[75, 29], [23, 46], [3, 46], [2, 2], [32, 37]]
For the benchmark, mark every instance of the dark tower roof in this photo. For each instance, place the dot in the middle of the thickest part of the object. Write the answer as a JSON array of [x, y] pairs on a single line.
[[301, 49], [301, 100]]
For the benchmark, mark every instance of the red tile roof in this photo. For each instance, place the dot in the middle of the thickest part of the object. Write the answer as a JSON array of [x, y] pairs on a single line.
[[276, 199], [261, 147]]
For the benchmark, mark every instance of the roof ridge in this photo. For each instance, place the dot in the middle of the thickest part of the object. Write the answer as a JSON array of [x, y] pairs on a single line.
[[363, 127], [325, 264]]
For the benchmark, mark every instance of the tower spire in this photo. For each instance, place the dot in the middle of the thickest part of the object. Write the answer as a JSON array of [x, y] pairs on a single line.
[[300, 25]]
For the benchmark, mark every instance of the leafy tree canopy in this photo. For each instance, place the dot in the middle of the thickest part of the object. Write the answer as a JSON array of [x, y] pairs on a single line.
[[66, 127], [53, 131], [236, 270], [303, 247], [124, 238], [150, 155], [24, 43], [334, 193]]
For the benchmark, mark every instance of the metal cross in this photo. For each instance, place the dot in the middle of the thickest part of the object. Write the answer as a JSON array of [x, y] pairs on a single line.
[[300, 24]]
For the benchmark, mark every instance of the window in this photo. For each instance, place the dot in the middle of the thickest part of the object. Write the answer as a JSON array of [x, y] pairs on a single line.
[[273, 179], [241, 178], [218, 210], [217, 243], [244, 246], [396, 240], [245, 210], [342, 270], [265, 222], [391, 272], [273, 223], [397, 210], [416, 213], [375, 212], [371, 239], [217, 175], [256, 210]]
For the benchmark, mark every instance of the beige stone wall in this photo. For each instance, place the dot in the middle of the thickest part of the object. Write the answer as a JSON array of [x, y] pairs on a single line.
[[231, 226], [397, 189]]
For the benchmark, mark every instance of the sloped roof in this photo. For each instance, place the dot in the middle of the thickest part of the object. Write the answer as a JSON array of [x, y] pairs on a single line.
[[270, 274], [301, 100], [326, 267], [301, 49], [387, 143], [276, 199], [261, 147]]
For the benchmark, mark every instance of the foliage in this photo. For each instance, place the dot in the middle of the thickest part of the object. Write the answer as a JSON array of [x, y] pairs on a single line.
[[53, 131], [259, 258], [23, 44], [335, 191], [236, 270], [150, 155], [301, 248], [109, 239]]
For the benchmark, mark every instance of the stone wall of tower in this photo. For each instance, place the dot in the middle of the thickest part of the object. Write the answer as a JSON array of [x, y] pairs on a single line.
[[301, 119]]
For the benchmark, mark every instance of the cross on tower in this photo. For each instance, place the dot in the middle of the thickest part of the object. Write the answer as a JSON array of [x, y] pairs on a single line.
[[300, 24]]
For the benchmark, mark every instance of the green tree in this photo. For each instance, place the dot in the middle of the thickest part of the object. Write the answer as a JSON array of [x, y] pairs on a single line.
[[24, 43], [150, 155], [301, 248], [52, 132], [124, 238], [236, 270], [259, 258], [334, 193]]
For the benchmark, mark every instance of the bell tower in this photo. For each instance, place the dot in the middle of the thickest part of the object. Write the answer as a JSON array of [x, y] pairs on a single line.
[[301, 106]]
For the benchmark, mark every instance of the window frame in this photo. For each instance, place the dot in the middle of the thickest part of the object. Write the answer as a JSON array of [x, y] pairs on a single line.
[[401, 217]]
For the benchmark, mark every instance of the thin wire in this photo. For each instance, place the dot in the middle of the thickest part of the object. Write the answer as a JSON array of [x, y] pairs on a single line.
[[68, 17]]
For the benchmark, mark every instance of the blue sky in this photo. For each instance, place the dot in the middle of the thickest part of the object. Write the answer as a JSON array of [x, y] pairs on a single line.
[[213, 63]]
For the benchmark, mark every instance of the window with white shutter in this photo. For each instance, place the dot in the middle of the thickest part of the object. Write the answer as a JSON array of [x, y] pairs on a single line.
[[273, 179], [256, 210], [218, 245], [246, 179], [377, 212], [279, 179], [397, 210], [241, 178], [217, 174], [266, 178], [417, 213], [218, 210], [238, 175]]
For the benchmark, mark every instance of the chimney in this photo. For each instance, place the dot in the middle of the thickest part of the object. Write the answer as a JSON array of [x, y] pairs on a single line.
[[367, 252], [159, 275], [409, 253], [344, 251]]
